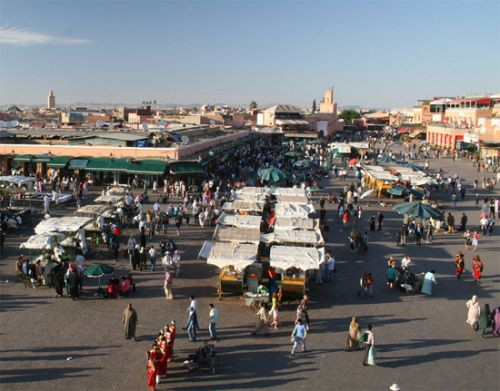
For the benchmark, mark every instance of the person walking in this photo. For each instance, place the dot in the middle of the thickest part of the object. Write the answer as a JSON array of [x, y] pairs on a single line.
[[463, 222], [430, 233], [451, 223], [460, 264], [130, 321], [419, 230], [369, 358], [353, 335], [366, 285], [475, 240], [168, 285], [262, 320], [429, 280], [212, 326], [152, 257], [131, 243], [298, 336], [477, 268], [274, 312], [473, 313], [380, 218]]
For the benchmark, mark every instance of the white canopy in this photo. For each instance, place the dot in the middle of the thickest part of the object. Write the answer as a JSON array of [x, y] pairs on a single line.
[[239, 255], [289, 223], [288, 191], [295, 237], [92, 210], [359, 145], [381, 175], [116, 190], [247, 197], [252, 190], [239, 235], [293, 210], [292, 199], [108, 199], [61, 224], [304, 258], [43, 241], [239, 221], [18, 180], [245, 206]]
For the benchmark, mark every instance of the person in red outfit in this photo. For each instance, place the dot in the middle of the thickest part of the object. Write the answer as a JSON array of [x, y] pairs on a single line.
[[460, 264]]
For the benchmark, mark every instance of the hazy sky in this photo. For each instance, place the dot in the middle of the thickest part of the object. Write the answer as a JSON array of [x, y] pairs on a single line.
[[375, 53]]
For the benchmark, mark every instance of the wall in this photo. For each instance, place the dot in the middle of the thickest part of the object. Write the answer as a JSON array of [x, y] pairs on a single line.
[[121, 152]]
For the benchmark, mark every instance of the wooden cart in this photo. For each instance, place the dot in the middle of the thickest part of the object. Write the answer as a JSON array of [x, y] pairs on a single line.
[[230, 281], [293, 284]]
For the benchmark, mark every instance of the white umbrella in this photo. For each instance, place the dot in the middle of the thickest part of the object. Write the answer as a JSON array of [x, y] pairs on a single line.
[[367, 193]]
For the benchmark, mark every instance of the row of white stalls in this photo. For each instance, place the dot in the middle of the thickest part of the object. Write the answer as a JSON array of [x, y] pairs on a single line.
[[57, 235], [294, 247], [389, 180], [24, 192]]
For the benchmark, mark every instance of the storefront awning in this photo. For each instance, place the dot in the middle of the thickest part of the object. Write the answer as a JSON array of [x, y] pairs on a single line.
[[184, 168], [78, 164], [147, 167], [301, 135], [42, 158], [58, 162], [23, 158], [105, 164]]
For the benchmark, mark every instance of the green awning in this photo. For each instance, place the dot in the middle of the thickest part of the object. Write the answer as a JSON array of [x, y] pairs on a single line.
[[147, 167], [105, 164], [42, 158], [184, 168], [58, 162], [78, 164], [23, 158]]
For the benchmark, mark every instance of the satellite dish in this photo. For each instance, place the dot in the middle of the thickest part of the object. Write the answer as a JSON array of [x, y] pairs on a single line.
[[144, 126], [99, 124], [185, 140]]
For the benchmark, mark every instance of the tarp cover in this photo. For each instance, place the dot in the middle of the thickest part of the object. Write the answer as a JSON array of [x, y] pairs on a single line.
[[61, 224], [116, 190], [245, 206], [205, 249], [239, 221], [43, 241], [92, 210], [288, 191], [239, 255], [17, 180], [233, 234], [292, 199], [295, 237], [304, 258], [293, 210], [296, 223], [108, 199]]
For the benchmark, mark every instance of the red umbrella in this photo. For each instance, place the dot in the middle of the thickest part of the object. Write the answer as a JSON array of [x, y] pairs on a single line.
[[352, 162]]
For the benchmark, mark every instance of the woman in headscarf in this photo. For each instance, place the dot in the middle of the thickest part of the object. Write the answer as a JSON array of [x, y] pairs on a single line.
[[473, 313], [353, 335], [477, 268]]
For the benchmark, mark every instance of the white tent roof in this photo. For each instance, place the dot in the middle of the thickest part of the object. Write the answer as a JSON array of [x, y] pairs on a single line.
[[381, 175], [239, 221], [116, 190], [292, 199], [17, 180], [108, 199], [61, 224], [43, 241], [238, 235], [360, 145], [293, 210], [295, 237], [252, 190], [246, 206], [289, 223], [288, 191], [92, 210], [239, 255], [304, 258]]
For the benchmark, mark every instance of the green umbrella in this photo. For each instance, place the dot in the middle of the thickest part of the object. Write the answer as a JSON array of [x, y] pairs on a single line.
[[418, 210], [397, 191], [305, 164], [272, 174], [294, 154], [97, 270]]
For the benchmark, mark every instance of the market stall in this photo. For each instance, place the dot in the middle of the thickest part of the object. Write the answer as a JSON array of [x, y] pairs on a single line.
[[294, 264], [293, 210], [108, 199], [233, 259], [239, 221], [243, 206], [302, 237], [237, 235], [61, 224], [92, 211]]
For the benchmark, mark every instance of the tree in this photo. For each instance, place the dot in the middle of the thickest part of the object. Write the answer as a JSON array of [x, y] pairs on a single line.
[[314, 106], [349, 115], [252, 105]]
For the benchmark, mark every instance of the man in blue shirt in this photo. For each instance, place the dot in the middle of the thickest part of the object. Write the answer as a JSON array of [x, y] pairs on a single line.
[[299, 336]]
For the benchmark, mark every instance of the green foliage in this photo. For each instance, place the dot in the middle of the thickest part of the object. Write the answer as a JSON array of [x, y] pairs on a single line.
[[349, 115]]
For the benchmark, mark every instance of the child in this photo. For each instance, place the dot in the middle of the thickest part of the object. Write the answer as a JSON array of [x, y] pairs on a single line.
[[274, 312]]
